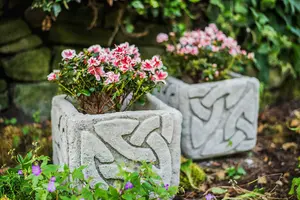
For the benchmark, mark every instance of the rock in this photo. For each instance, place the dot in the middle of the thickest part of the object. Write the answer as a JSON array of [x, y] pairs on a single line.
[[23, 44], [104, 141], [28, 66], [11, 30], [148, 52], [34, 17], [149, 39], [3, 85], [68, 34], [35, 97], [3, 100], [221, 114]]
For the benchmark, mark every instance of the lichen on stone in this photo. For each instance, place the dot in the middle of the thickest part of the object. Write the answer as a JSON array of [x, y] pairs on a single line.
[[11, 30], [28, 66], [23, 44]]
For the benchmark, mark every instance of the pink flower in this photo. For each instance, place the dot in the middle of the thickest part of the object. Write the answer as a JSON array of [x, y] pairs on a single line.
[[68, 54], [142, 74], [162, 37], [147, 66], [214, 48], [156, 62], [232, 52], [243, 52], [51, 76], [97, 72], [112, 77], [170, 48], [94, 48], [124, 68], [250, 56], [93, 62], [160, 76]]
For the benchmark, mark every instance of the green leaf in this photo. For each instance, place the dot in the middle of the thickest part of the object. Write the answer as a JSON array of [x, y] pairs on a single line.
[[25, 130], [218, 190], [56, 9], [85, 92], [218, 3]]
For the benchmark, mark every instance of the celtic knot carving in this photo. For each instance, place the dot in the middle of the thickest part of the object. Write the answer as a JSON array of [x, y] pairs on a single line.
[[127, 140]]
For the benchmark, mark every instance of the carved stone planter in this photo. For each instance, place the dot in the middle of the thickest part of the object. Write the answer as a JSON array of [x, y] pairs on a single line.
[[219, 118], [151, 134]]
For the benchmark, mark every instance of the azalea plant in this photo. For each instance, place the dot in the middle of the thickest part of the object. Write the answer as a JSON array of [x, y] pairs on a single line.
[[105, 80], [203, 55], [34, 178]]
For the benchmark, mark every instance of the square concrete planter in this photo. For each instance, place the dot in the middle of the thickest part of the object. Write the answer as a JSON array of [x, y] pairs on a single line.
[[151, 134], [219, 118]]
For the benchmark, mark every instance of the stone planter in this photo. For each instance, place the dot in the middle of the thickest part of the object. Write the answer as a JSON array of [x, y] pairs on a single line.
[[151, 134], [219, 118]]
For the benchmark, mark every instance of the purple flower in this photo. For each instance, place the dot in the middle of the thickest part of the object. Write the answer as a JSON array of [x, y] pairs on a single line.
[[36, 170], [51, 185], [166, 186], [209, 197], [20, 172], [128, 185]]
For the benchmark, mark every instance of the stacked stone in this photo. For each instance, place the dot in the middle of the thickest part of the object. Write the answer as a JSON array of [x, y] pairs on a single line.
[[28, 55]]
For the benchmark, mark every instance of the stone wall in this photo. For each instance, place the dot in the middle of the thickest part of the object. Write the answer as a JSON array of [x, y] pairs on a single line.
[[28, 54]]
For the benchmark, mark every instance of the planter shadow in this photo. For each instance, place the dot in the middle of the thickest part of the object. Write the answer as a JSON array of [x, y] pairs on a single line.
[[151, 133], [219, 118]]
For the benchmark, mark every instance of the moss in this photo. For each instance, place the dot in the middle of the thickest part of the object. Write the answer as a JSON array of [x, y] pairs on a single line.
[[197, 174], [3, 85], [25, 43], [28, 66], [69, 34], [11, 30], [35, 97]]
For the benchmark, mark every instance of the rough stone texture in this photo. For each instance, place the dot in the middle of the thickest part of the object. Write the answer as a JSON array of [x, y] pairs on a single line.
[[77, 35], [25, 43], [3, 100], [148, 52], [11, 30], [152, 134], [28, 66], [219, 118], [35, 97], [3, 85]]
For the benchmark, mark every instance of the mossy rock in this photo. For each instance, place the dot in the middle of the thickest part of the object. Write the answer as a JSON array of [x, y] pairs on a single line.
[[4, 100], [148, 52], [3, 85], [68, 34], [23, 44], [35, 97], [29, 66], [197, 175], [11, 30]]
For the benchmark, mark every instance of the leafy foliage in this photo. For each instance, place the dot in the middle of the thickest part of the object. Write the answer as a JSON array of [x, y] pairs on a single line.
[[34, 178], [270, 28], [235, 172]]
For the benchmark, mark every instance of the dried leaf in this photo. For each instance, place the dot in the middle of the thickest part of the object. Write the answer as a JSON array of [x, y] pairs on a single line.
[[295, 123], [110, 2], [221, 174], [289, 145], [262, 180], [279, 183]]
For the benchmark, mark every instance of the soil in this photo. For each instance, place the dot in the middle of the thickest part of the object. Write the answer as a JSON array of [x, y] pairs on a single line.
[[270, 166]]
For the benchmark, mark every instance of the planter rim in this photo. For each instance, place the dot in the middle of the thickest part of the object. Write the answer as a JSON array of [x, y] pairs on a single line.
[[72, 111], [235, 76]]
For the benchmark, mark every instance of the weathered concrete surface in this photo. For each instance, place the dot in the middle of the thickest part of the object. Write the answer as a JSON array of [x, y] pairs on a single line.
[[219, 118], [151, 134]]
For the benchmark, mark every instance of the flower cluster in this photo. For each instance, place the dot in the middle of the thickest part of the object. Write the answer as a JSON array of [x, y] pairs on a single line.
[[204, 55], [107, 76]]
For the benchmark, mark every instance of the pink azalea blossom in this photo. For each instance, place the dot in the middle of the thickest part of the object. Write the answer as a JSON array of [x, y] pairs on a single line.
[[68, 54], [51, 76], [112, 77], [93, 62], [170, 48], [142, 74], [94, 48], [156, 62], [160, 76], [250, 55], [162, 37], [148, 66], [97, 72]]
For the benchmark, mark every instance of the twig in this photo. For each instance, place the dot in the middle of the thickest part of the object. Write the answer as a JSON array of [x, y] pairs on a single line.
[[93, 5], [136, 35]]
